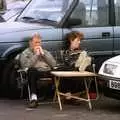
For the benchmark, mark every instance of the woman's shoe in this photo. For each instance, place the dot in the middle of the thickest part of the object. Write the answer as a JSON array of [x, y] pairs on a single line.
[[68, 96]]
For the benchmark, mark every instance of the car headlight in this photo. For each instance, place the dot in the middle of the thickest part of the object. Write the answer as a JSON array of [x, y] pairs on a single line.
[[110, 69]]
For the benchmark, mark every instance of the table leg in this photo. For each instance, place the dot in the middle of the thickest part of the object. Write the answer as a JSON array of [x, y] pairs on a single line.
[[87, 91], [96, 85], [57, 79]]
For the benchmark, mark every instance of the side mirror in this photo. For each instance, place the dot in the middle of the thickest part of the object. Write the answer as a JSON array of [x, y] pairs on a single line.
[[73, 22]]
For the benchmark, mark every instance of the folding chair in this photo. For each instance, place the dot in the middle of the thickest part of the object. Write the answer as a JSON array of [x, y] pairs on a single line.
[[91, 68], [22, 78]]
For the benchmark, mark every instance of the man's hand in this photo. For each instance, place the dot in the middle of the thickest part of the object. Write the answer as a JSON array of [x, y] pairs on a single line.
[[38, 50], [41, 51]]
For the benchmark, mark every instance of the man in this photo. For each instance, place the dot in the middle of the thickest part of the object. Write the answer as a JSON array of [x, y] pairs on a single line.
[[38, 61]]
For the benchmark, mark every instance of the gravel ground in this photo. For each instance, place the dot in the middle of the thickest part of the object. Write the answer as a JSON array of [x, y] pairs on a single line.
[[103, 109]]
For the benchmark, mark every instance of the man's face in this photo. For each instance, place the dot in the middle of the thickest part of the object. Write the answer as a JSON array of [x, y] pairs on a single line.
[[36, 42]]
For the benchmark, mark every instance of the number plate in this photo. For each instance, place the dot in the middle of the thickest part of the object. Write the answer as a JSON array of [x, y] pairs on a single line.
[[114, 84]]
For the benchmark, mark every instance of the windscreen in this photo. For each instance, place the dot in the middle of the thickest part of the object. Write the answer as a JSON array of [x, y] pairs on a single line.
[[51, 10]]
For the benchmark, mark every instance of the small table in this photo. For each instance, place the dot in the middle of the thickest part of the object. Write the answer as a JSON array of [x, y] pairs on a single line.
[[84, 74]]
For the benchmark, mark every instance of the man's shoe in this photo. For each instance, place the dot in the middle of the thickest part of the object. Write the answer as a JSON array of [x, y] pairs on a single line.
[[33, 104]]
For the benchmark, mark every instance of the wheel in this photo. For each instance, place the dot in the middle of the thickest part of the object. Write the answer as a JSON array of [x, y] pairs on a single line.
[[10, 80]]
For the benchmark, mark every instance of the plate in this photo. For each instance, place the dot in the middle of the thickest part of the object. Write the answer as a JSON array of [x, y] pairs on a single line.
[[114, 84]]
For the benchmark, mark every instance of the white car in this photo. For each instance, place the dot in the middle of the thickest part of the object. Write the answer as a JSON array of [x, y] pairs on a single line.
[[110, 75]]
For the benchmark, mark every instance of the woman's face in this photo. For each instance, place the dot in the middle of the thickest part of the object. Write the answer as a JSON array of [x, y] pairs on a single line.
[[75, 44]]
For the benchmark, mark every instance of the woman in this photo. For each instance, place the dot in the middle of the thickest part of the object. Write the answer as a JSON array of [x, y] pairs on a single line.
[[72, 49], [72, 54]]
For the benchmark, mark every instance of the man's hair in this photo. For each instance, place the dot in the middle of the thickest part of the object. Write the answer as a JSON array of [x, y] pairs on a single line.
[[35, 35]]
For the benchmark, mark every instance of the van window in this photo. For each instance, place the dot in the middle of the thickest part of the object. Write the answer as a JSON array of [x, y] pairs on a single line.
[[92, 13], [117, 11]]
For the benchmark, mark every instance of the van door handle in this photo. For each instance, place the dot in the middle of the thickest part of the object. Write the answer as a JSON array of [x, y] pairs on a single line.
[[105, 34]]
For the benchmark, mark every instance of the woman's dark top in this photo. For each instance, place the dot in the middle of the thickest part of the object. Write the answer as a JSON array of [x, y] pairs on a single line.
[[70, 58]]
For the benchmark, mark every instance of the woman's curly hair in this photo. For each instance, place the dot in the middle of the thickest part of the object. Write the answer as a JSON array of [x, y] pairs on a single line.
[[71, 36]]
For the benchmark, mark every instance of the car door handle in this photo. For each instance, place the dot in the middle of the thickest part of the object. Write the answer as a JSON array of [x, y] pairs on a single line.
[[105, 34]]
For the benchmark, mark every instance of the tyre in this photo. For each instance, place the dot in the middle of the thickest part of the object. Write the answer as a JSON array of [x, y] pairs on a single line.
[[10, 80]]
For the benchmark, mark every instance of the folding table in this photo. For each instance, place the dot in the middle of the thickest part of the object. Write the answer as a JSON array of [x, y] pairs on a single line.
[[87, 78]]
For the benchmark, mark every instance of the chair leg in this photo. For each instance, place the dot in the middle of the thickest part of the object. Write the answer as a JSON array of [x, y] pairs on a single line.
[[28, 91], [21, 87], [21, 93], [96, 85]]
